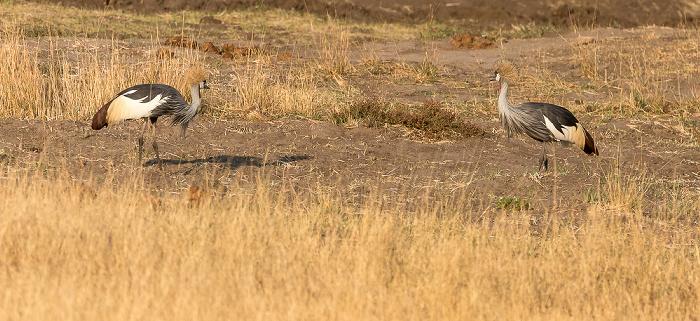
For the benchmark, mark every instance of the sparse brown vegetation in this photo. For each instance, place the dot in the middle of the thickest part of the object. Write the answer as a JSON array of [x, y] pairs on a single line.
[[431, 120], [267, 211]]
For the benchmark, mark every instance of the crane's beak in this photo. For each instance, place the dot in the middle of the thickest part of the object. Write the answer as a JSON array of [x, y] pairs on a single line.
[[492, 78], [205, 86]]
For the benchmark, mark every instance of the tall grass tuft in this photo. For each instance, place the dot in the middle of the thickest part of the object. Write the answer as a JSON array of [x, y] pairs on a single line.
[[262, 93], [334, 59]]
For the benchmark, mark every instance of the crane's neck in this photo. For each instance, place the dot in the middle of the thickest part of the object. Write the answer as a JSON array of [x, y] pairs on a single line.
[[196, 96], [502, 99]]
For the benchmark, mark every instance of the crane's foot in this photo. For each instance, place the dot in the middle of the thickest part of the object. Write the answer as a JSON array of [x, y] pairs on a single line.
[[543, 163], [155, 148], [140, 149]]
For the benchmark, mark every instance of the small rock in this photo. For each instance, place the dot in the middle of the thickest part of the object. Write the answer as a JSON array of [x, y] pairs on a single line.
[[230, 50], [228, 47]]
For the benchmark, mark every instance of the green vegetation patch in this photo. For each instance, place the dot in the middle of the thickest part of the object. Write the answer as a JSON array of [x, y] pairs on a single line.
[[513, 204]]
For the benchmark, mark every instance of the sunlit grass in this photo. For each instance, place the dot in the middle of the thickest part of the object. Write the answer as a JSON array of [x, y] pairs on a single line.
[[278, 252], [257, 23]]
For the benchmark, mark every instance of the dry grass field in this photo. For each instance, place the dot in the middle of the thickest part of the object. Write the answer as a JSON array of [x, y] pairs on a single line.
[[345, 170]]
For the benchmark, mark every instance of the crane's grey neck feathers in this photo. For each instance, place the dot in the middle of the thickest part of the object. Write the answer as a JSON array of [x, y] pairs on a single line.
[[511, 118], [187, 114], [504, 110], [196, 97], [502, 99]]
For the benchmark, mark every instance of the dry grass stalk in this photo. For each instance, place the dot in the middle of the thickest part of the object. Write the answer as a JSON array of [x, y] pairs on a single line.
[[334, 60], [196, 195]]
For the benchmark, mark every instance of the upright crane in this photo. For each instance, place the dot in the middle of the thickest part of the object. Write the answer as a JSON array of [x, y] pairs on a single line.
[[541, 121]]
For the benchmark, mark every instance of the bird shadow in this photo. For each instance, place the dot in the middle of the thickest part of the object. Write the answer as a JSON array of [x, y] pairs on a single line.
[[232, 162]]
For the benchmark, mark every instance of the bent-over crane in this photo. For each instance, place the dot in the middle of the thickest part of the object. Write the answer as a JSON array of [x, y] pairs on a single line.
[[150, 101]]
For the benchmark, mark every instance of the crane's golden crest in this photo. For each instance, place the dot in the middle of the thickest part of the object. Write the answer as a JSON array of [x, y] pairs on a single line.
[[506, 69], [195, 75]]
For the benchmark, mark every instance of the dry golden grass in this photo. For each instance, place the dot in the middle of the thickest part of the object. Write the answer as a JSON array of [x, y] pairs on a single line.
[[45, 19], [653, 74], [87, 250], [76, 77], [334, 58], [39, 80], [264, 90]]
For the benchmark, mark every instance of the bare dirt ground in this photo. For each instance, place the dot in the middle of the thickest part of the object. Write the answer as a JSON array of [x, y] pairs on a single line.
[[353, 161]]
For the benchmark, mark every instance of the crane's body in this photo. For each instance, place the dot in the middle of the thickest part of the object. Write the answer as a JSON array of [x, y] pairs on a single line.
[[540, 121], [150, 101]]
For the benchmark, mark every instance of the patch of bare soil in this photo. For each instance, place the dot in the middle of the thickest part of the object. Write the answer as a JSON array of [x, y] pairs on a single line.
[[475, 13], [353, 161]]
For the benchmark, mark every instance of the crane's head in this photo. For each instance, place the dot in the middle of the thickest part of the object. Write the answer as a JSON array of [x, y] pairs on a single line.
[[197, 76], [504, 70]]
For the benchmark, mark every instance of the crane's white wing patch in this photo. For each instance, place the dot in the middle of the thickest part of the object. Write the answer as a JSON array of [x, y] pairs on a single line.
[[565, 133], [573, 134], [123, 108]]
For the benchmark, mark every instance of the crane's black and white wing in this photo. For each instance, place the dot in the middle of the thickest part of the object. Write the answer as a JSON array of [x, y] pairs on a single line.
[[140, 101], [137, 102], [153, 100], [562, 125]]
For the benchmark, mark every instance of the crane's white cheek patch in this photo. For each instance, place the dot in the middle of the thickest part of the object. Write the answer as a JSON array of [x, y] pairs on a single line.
[[123, 108]]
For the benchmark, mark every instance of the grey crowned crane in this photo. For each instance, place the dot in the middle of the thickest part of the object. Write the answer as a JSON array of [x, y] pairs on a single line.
[[541, 121], [150, 101]]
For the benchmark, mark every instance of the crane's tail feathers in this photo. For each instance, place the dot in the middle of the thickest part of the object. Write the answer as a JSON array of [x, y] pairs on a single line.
[[584, 140], [100, 118], [589, 145]]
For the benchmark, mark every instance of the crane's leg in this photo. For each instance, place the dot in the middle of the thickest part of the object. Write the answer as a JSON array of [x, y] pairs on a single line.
[[543, 160], [145, 123], [155, 145]]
